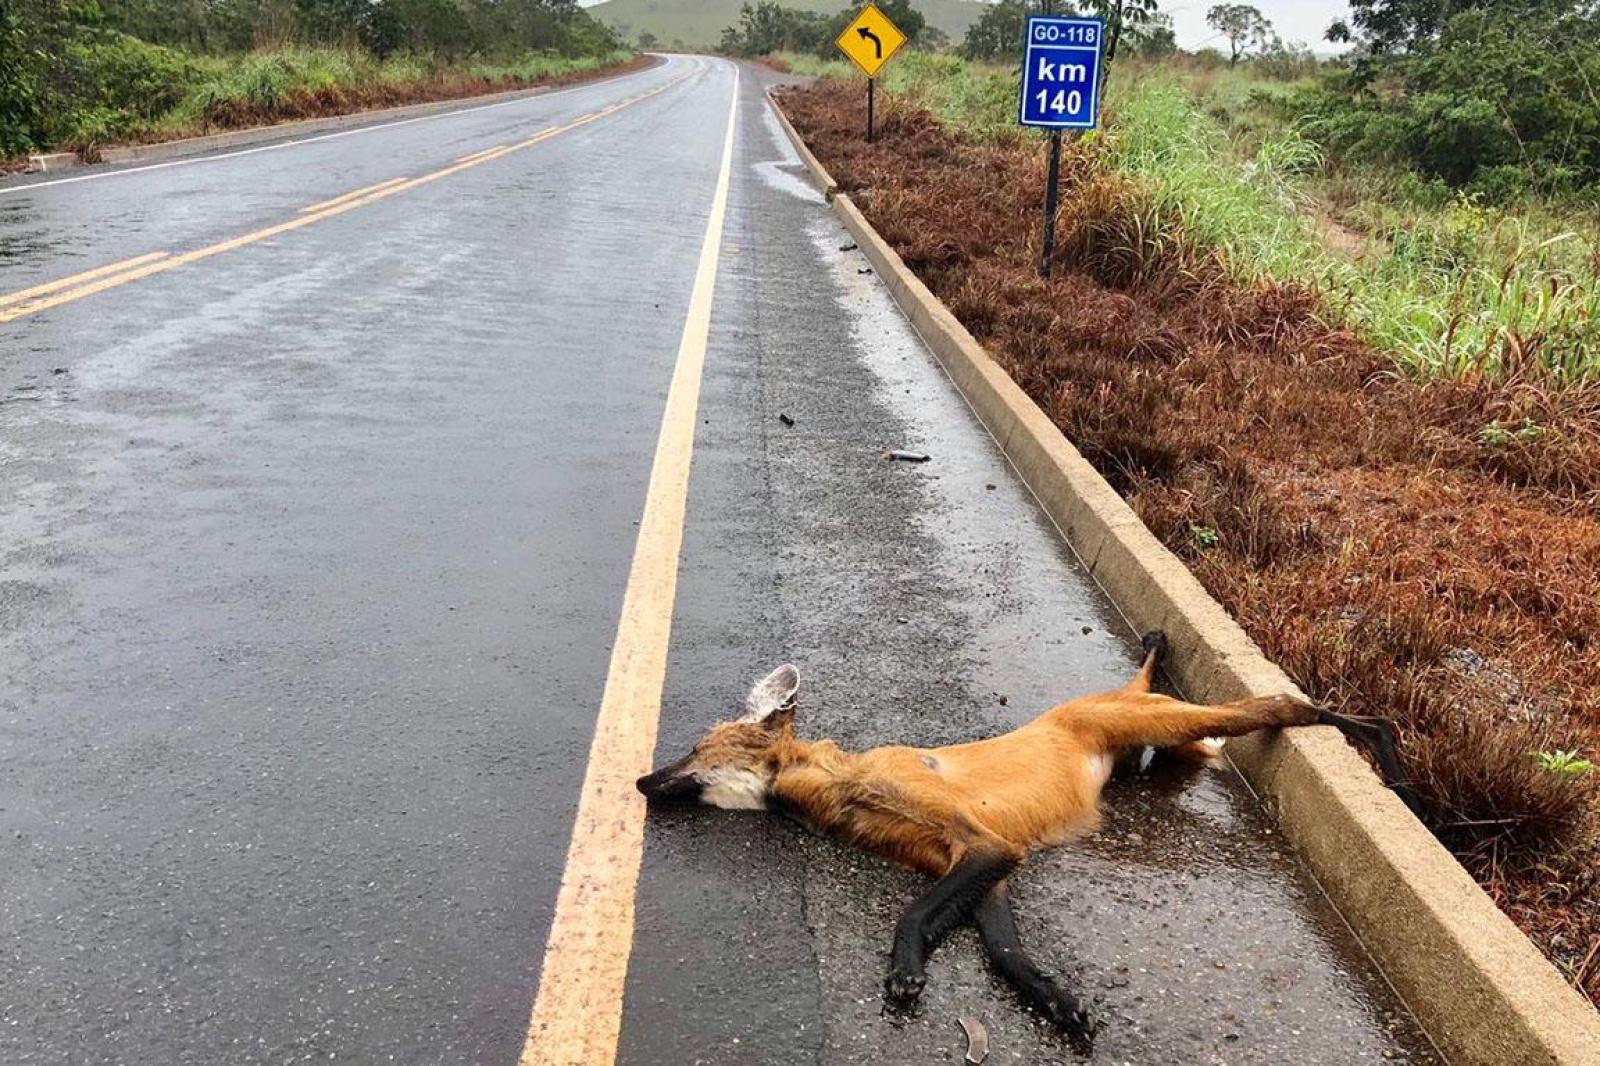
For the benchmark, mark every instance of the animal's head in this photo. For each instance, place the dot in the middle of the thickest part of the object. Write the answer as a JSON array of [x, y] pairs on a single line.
[[734, 765]]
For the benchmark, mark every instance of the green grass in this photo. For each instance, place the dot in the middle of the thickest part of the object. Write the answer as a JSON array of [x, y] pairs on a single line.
[[264, 82], [813, 66], [1447, 289], [973, 96], [1441, 281]]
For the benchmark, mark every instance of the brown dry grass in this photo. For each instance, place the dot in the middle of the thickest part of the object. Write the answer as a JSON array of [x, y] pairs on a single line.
[[1367, 535]]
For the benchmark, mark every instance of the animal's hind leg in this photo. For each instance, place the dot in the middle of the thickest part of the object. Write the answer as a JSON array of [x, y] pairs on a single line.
[[1127, 720], [1155, 649], [997, 928], [1377, 736], [1155, 653]]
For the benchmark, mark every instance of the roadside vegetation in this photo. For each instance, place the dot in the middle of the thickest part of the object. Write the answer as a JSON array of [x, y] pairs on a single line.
[[75, 74], [1330, 326]]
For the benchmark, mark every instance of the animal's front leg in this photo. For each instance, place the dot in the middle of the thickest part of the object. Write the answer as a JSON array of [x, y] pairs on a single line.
[[946, 905]]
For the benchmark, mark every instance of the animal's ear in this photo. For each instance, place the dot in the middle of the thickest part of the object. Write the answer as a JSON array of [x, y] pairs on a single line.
[[773, 693]]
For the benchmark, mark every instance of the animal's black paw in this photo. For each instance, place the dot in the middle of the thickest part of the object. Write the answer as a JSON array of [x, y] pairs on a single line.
[[901, 991], [1154, 643], [1068, 1015]]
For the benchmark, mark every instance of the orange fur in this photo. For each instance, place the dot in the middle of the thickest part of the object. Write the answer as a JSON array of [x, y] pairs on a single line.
[[1038, 785], [966, 814], [929, 807]]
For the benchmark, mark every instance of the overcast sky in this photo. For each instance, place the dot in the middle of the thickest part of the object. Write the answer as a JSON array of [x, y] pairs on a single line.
[[1302, 21], [1294, 20]]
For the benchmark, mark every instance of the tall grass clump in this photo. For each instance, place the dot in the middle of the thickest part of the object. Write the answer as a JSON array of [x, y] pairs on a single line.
[[809, 64], [534, 67], [294, 82], [1463, 291], [981, 97]]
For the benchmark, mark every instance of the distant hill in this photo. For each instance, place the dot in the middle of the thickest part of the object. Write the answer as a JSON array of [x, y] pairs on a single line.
[[699, 23]]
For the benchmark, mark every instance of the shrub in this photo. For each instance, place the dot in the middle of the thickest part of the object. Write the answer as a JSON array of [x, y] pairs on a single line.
[[1491, 92], [111, 83]]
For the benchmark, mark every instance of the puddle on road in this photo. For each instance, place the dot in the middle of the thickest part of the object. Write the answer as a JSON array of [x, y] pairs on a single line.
[[786, 174]]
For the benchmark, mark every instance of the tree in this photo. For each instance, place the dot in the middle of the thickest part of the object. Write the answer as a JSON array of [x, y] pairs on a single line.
[[769, 27], [647, 40], [931, 39], [1243, 25], [1385, 26], [18, 93], [1122, 17], [900, 12], [1155, 39], [437, 26], [998, 31]]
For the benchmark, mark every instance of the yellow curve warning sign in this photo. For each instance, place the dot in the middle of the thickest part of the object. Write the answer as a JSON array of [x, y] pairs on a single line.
[[870, 40]]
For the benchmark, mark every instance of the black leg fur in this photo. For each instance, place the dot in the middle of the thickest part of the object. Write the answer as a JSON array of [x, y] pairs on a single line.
[[997, 928], [1377, 736], [943, 907]]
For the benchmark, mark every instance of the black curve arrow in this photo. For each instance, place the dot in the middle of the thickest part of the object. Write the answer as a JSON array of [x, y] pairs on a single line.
[[868, 35]]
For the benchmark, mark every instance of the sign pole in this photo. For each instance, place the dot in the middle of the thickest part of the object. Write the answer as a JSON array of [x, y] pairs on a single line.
[[1061, 60], [869, 41], [1051, 181], [871, 84], [1052, 176]]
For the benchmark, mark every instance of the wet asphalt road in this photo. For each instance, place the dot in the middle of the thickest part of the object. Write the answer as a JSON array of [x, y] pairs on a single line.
[[310, 561]]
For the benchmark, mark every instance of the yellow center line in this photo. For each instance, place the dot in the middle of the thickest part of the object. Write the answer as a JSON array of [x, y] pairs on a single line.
[[469, 157], [312, 209], [56, 293], [577, 1012], [67, 282]]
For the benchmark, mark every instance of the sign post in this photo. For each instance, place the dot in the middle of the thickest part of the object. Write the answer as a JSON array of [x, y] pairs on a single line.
[[1060, 91], [870, 41]]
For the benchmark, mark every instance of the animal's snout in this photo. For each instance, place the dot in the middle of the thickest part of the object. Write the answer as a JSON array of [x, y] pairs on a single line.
[[669, 784]]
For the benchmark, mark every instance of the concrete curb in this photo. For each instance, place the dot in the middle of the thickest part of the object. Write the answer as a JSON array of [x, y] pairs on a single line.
[[818, 173], [51, 162], [187, 146], [1479, 987]]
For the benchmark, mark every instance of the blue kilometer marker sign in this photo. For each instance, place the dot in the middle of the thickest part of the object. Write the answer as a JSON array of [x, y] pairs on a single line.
[[1061, 73]]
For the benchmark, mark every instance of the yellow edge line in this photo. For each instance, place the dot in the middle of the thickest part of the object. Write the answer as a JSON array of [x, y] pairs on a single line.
[[577, 1012], [316, 213], [87, 275], [349, 196]]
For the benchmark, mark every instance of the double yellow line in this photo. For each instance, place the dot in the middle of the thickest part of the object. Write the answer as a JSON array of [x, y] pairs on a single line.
[[89, 282]]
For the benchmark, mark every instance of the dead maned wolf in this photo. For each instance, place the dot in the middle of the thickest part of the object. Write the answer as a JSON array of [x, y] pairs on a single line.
[[968, 814]]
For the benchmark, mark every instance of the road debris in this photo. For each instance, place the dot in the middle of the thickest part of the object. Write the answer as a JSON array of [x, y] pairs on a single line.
[[852, 246], [901, 455], [786, 420], [977, 1040]]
